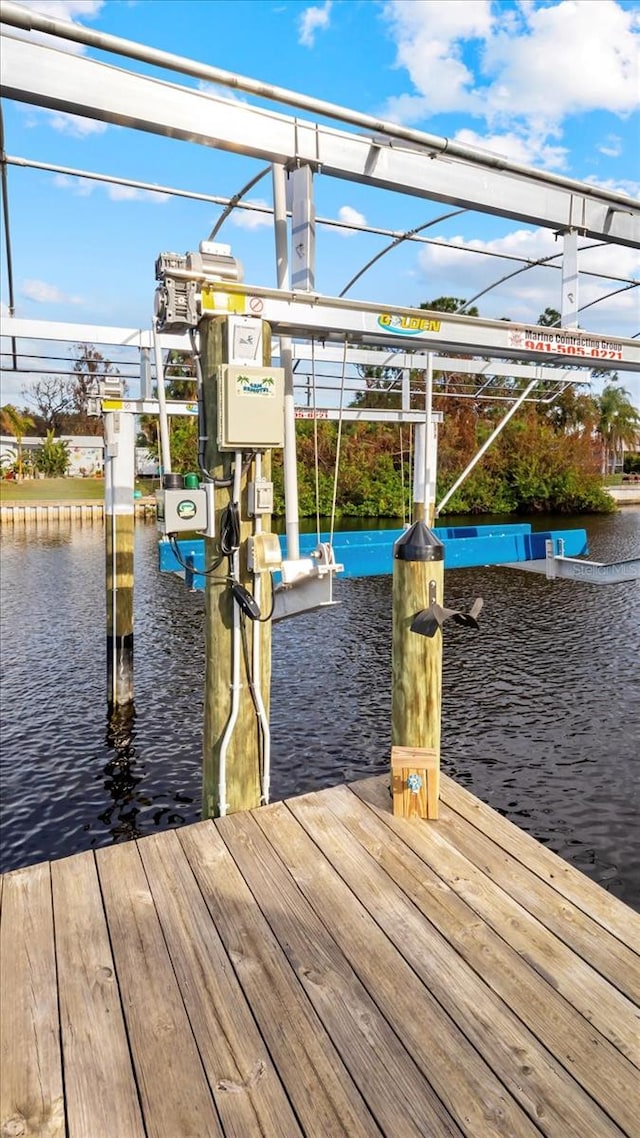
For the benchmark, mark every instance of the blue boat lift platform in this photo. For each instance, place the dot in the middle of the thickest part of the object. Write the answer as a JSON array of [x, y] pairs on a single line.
[[369, 553]]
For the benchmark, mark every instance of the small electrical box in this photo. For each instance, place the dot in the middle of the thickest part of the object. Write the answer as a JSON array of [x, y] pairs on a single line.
[[250, 408], [180, 511], [260, 497], [264, 553]]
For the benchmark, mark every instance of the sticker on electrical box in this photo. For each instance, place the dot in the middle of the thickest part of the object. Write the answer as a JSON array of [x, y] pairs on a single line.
[[264, 385], [186, 509]]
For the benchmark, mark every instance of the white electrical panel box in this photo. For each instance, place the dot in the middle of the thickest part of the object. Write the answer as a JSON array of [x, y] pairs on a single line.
[[250, 408], [259, 497], [181, 511]]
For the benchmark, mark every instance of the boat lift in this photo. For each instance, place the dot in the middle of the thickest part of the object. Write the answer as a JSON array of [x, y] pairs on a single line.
[[190, 289]]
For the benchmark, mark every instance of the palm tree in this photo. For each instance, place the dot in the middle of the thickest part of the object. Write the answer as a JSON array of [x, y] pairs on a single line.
[[16, 423], [618, 424]]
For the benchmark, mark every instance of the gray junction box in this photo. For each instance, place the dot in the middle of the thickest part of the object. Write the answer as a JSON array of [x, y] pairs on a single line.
[[250, 407], [179, 511]]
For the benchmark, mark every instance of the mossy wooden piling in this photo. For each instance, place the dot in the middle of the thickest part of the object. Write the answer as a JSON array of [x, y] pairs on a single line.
[[119, 540], [243, 774]]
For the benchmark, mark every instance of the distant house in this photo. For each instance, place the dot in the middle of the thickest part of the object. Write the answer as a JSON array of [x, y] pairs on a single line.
[[147, 465], [86, 452]]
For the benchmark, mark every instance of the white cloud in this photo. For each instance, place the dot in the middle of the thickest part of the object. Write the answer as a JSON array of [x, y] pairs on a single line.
[[79, 187], [119, 193], [83, 188], [77, 126], [569, 61], [43, 293], [523, 71], [429, 36], [70, 10], [251, 219], [611, 147], [350, 216], [65, 9], [616, 186], [453, 272], [221, 92], [528, 147], [313, 20]]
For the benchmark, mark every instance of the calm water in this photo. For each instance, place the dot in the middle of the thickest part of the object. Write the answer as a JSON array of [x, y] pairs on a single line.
[[541, 711]]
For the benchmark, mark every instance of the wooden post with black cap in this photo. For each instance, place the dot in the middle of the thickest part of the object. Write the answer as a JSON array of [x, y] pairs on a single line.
[[418, 582]]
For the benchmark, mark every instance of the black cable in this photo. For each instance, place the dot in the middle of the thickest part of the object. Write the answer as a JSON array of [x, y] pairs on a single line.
[[230, 529], [175, 548]]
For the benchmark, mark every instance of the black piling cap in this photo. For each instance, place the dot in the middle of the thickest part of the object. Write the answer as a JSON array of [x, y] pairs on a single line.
[[419, 543], [173, 481]]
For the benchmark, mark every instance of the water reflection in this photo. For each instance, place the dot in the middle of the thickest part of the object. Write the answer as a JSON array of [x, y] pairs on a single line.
[[121, 776], [541, 707]]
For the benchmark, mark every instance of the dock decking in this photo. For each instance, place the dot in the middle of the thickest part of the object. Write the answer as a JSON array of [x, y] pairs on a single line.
[[319, 968]]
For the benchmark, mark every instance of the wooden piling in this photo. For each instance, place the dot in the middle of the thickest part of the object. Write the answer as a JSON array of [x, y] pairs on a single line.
[[242, 789], [119, 531], [418, 582]]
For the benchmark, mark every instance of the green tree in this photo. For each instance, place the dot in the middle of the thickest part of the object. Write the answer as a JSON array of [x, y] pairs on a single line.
[[16, 423], [60, 402], [52, 457], [89, 369], [618, 423], [550, 318]]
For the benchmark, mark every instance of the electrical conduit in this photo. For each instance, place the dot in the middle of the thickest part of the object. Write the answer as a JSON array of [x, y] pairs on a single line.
[[235, 659]]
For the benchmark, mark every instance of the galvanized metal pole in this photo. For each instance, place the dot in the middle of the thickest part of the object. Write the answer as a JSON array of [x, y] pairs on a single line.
[[119, 473], [418, 582], [163, 418], [570, 304], [290, 465]]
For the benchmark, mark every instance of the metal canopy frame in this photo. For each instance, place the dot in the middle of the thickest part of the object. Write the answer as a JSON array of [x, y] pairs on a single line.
[[386, 156], [390, 157]]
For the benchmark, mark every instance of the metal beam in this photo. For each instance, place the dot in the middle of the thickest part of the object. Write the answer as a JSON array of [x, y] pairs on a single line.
[[99, 334], [572, 569], [313, 315], [75, 84], [415, 361], [331, 414]]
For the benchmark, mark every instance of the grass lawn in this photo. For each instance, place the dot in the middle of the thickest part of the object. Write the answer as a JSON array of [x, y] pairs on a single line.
[[63, 489], [52, 490]]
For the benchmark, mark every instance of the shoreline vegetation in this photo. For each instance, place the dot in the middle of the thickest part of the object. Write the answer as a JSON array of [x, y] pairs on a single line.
[[52, 491], [552, 457]]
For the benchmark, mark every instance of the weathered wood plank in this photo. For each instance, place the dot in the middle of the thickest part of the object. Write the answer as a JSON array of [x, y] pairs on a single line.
[[317, 1082], [246, 1088], [594, 1062], [611, 1013], [31, 1089], [395, 1090], [603, 907], [474, 1097], [100, 1089], [173, 1089], [611, 957]]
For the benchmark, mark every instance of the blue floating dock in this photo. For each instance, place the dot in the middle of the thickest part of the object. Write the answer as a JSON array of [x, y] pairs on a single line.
[[369, 553]]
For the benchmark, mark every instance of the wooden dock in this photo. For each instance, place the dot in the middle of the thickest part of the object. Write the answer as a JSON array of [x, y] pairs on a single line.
[[320, 968]]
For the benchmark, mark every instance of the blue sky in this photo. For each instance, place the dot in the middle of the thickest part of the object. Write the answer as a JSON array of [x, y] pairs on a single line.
[[554, 85]]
